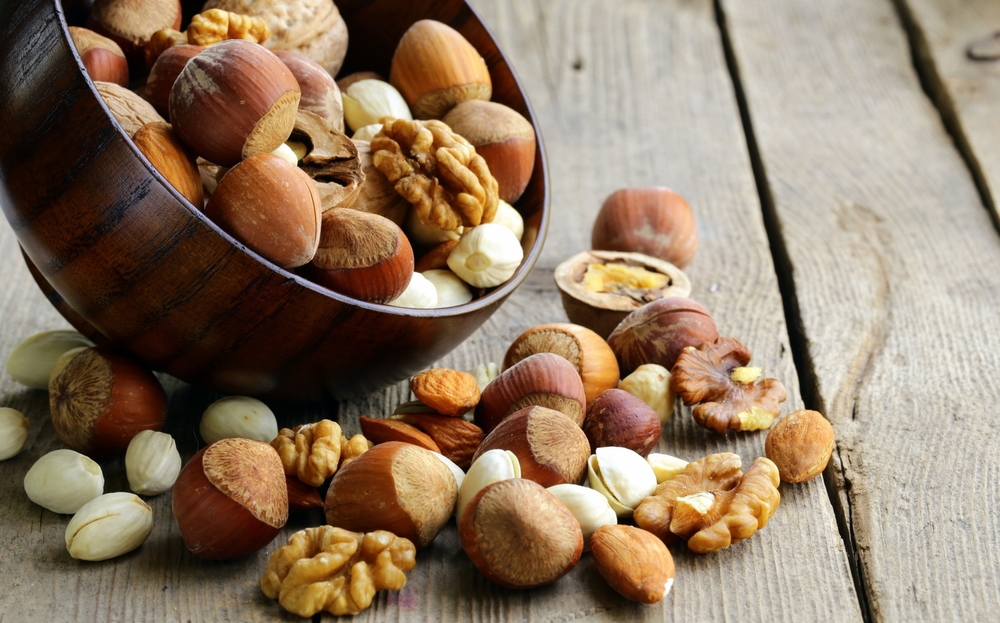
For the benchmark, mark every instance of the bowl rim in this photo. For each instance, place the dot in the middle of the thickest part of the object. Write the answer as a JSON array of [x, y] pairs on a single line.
[[493, 297]]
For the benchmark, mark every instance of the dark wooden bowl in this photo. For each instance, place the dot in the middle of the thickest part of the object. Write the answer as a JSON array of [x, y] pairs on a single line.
[[126, 259]]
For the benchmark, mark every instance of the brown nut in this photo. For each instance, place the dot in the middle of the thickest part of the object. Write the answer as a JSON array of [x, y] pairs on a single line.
[[657, 332], [129, 110], [130, 23], [448, 392], [542, 379], [271, 206], [600, 288], [503, 137], [519, 535], [587, 351], [171, 158], [164, 72], [379, 431], [203, 97], [800, 444], [654, 220], [320, 93], [376, 195], [397, 487], [617, 418], [101, 399], [102, 57], [550, 446], [231, 499], [457, 438], [633, 562], [434, 67], [361, 255]]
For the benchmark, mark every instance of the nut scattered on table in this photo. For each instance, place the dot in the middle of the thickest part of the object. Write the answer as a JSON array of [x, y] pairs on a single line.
[[31, 361], [617, 418], [589, 506], [541, 379], [448, 392], [457, 438], [13, 432], [63, 481], [650, 382], [652, 220], [152, 463], [335, 570], [800, 444], [623, 476], [238, 416], [491, 466], [109, 526], [658, 331], [633, 562]]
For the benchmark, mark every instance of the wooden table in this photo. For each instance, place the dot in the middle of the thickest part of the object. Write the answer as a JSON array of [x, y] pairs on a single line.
[[843, 161]]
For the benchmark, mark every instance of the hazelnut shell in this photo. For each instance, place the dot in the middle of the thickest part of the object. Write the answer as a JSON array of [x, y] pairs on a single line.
[[542, 379], [655, 221], [617, 418], [658, 331]]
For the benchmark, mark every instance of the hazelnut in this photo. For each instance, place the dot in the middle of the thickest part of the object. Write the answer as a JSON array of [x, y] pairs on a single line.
[[800, 444], [600, 288], [397, 487], [588, 352], [13, 432], [519, 535], [361, 255], [271, 206], [164, 72], [152, 463], [30, 363], [102, 58], [658, 331], [158, 142], [542, 379], [102, 399], [203, 97], [550, 447], [655, 221], [320, 93], [617, 418], [435, 68], [63, 481], [238, 416], [231, 499], [503, 137], [109, 526]]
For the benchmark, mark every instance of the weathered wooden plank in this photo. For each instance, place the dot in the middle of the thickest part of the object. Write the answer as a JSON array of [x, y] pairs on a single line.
[[637, 93], [627, 93], [893, 261], [958, 44]]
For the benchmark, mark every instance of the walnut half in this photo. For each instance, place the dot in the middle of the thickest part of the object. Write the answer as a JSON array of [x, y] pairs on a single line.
[[336, 570]]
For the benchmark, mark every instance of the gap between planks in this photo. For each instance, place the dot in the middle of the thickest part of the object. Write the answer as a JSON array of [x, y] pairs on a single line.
[[837, 484]]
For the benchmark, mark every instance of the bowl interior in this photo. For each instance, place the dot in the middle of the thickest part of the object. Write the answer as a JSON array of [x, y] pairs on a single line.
[[128, 260]]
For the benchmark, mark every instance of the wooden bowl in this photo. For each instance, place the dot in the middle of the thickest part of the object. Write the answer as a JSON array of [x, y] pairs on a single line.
[[127, 260]]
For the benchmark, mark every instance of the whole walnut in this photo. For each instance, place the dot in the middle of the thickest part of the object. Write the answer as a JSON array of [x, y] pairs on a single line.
[[311, 27]]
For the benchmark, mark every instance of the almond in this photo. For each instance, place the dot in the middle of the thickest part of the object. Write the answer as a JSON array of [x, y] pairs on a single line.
[[449, 392], [633, 562], [380, 431], [457, 437]]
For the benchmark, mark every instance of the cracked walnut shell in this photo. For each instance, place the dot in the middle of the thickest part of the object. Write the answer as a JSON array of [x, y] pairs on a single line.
[[437, 171], [727, 392], [336, 570], [314, 452]]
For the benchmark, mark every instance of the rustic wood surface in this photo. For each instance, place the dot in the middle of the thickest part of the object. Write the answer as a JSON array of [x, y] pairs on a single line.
[[839, 198]]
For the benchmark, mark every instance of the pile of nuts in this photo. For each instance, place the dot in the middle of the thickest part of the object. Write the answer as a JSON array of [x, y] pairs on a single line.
[[565, 428], [242, 115]]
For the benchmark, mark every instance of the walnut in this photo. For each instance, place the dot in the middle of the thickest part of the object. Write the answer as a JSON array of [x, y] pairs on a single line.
[[311, 27], [215, 25], [741, 512], [715, 472], [314, 452], [336, 570], [727, 392], [130, 110], [437, 171]]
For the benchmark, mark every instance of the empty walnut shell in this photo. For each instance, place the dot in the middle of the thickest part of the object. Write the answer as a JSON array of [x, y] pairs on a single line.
[[600, 288]]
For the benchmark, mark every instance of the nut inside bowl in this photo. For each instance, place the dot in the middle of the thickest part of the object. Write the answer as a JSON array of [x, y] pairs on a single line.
[[128, 260]]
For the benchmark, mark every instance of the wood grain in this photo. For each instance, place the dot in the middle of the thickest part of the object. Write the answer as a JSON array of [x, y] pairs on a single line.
[[958, 44], [893, 257]]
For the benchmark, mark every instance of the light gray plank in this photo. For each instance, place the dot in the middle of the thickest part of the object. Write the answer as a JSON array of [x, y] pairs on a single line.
[[893, 258]]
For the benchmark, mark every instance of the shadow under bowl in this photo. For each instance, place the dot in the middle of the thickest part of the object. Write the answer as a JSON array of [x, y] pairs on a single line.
[[127, 260]]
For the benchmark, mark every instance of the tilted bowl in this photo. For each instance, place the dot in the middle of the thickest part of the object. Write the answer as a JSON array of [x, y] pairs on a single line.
[[127, 260]]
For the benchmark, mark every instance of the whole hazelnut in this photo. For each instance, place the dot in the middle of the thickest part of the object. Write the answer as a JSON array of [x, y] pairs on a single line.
[[503, 137], [158, 142], [231, 499], [519, 535], [164, 72], [270, 205], [542, 379], [320, 93], [655, 221], [395, 486], [233, 100], [103, 398], [102, 58], [617, 418], [658, 331], [800, 444]]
